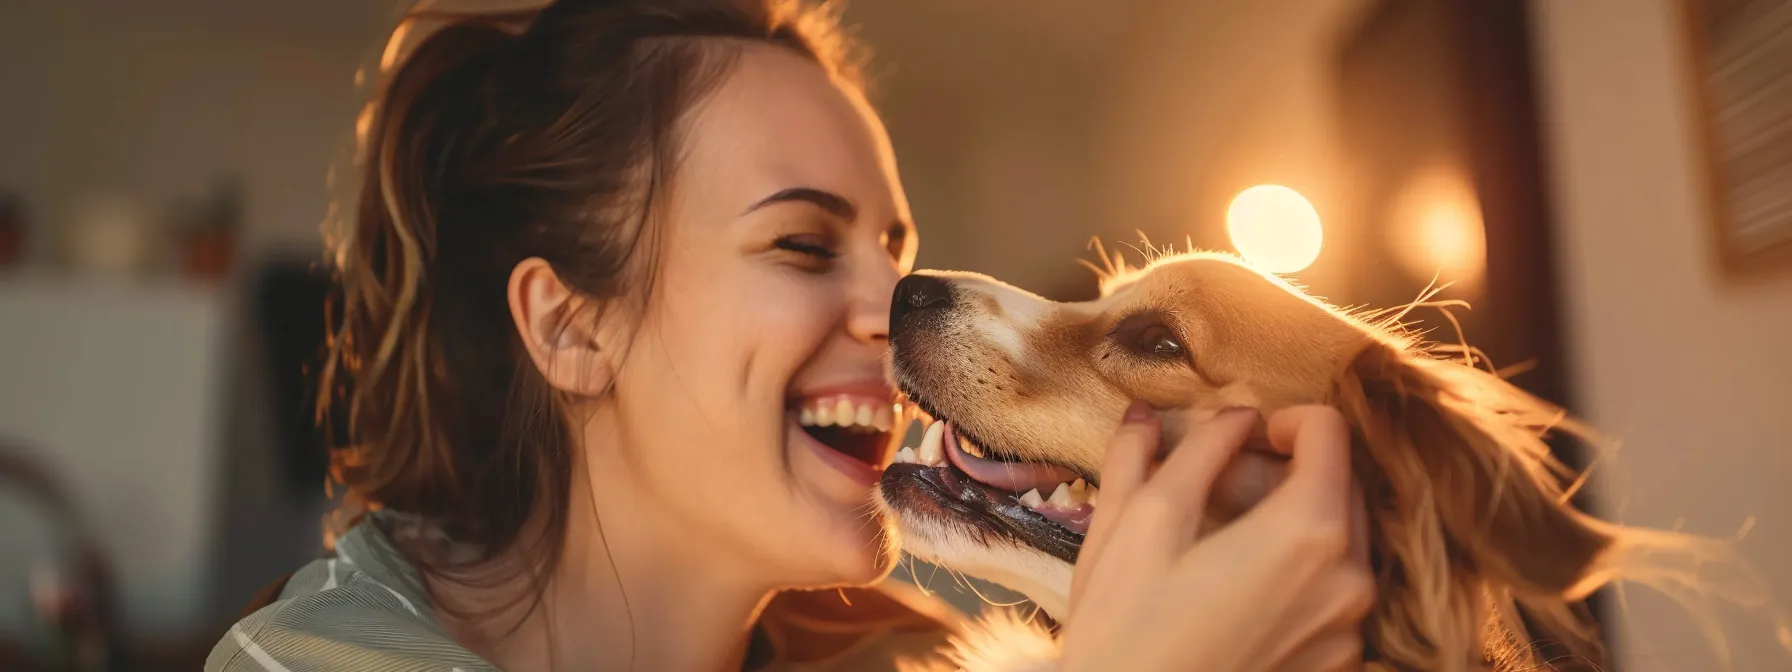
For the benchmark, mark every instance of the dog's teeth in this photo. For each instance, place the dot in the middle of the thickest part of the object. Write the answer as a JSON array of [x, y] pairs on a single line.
[[930, 452], [806, 417], [1082, 493], [1079, 492], [970, 447], [1061, 496], [1031, 499], [1091, 496], [905, 456]]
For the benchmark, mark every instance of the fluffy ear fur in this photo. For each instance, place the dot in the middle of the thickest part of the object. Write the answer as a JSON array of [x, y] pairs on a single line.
[[1471, 514], [1000, 641]]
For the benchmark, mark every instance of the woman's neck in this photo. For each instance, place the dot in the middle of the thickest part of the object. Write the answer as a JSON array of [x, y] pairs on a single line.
[[624, 596]]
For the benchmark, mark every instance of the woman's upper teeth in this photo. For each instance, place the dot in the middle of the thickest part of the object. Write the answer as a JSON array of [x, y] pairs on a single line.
[[846, 411]]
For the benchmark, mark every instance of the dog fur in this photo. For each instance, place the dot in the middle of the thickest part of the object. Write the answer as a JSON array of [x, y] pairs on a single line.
[[1471, 521]]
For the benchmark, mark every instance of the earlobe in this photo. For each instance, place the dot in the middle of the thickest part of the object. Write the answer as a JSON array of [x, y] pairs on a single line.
[[560, 329]]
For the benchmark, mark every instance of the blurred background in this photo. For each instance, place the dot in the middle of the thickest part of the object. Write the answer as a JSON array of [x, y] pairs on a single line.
[[1608, 182]]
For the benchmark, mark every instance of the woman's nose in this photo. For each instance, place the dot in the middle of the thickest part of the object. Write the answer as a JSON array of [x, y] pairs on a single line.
[[870, 318]]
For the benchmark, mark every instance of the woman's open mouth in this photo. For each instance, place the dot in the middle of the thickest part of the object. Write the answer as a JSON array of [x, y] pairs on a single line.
[[857, 427], [951, 474]]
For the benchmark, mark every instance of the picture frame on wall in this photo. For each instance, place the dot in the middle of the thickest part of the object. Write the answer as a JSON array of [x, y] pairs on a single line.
[[1740, 58]]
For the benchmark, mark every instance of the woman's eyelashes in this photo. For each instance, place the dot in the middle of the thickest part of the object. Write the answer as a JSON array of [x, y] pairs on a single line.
[[819, 251], [812, 251]]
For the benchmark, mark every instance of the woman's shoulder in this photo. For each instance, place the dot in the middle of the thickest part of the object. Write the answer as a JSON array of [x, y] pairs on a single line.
[[332, 615]]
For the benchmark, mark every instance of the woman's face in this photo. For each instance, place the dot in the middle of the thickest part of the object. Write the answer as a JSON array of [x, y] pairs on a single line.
[[752, 415]]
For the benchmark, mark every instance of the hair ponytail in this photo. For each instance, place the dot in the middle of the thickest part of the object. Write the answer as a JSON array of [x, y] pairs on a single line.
[[385, 258]]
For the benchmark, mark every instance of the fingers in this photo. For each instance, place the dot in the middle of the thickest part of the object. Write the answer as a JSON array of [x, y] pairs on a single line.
[[1333, 638], [1129, 455], [1332, 608], [1359, 527], [1123, 469], [1319, 474], [1186, 478], [1340, 650]]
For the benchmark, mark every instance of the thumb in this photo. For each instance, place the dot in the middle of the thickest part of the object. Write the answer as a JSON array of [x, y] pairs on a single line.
[[1123, 469]]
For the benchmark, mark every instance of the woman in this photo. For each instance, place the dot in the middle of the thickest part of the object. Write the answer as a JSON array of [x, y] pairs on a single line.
[[604, 258]]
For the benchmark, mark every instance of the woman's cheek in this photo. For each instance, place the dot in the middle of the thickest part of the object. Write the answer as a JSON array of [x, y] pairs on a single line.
[[805, 311]]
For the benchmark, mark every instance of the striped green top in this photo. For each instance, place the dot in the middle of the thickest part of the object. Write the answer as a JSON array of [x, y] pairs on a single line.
[[365, 609]]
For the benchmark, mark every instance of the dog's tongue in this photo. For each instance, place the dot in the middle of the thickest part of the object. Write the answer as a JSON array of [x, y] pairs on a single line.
[[1011, 476]]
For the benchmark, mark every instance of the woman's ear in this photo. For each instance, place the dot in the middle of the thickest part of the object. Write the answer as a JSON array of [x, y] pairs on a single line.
[[570, 340]]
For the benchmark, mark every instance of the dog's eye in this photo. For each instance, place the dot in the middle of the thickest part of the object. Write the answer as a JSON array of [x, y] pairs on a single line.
[[1148, 335], [1158, 340]]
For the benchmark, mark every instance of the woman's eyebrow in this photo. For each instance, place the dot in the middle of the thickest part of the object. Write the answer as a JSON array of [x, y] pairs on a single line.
[[830, 202]]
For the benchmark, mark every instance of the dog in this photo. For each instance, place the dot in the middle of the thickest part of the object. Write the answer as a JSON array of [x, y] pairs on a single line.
[[1470, 520]]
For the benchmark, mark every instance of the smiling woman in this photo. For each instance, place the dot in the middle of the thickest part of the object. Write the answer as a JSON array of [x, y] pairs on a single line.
[[613, 263]]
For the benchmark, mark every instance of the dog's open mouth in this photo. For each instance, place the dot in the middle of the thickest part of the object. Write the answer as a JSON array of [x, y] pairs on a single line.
[[952, 474]]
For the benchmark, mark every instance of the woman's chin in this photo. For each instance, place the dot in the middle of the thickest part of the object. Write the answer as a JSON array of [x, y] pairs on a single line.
[[858, 551]]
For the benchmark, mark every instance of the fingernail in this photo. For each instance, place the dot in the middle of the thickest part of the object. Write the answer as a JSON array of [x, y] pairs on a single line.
[[1139, 411]]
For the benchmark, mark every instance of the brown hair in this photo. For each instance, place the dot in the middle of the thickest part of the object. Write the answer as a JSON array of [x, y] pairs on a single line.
[[502, 137]]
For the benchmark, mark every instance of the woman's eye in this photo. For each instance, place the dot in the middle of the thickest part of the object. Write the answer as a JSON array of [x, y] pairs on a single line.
[[807, 245]]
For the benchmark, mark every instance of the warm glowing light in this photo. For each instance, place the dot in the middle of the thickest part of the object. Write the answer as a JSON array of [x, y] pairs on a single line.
[[1436, 229], [1274, 228]]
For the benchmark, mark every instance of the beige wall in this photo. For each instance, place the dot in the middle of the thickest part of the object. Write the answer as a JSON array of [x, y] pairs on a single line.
[[1025, 128], [158, 100], [1693, 373]]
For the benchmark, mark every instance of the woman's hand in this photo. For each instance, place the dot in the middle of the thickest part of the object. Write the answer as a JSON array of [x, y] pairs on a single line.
[[1284, 588]]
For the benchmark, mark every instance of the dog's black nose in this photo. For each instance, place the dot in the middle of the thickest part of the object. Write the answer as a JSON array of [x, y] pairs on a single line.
[[917, 294]]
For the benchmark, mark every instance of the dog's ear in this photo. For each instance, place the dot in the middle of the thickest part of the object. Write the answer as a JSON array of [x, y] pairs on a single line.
[[1469, 504]]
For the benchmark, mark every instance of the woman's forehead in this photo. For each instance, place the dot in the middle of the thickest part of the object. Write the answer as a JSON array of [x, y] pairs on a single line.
[[778, 120]]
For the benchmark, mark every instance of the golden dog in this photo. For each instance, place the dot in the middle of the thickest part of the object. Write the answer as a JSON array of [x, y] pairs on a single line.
[[1470, 515]]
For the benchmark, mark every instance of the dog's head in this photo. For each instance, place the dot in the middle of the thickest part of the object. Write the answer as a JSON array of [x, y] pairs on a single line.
[[1468, 507]]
